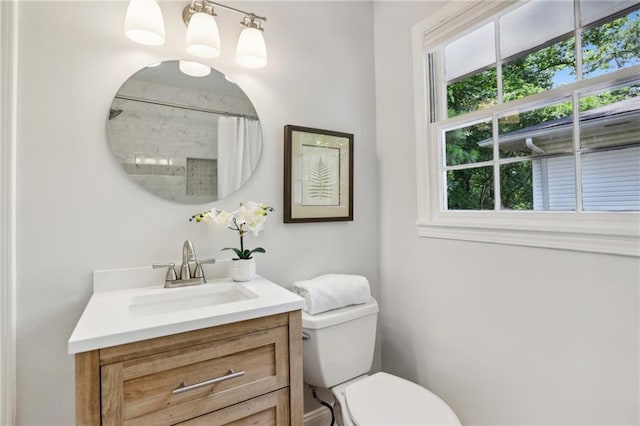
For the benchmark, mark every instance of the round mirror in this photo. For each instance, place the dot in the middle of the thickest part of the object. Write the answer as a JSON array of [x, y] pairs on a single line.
[[183, 135]]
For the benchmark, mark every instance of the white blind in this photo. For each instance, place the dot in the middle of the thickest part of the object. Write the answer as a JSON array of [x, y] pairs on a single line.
[[534, 24], [593, 10], [472, 52]]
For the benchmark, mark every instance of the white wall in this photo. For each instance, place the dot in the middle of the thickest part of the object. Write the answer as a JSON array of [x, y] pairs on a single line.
[[77, 209], [506, 335]]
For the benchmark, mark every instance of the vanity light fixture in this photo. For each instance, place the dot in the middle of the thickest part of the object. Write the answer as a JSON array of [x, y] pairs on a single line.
[[144, 24], [251, 51], [203, 38]]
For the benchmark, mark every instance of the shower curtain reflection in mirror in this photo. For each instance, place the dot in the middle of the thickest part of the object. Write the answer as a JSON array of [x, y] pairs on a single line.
[[239, 145]]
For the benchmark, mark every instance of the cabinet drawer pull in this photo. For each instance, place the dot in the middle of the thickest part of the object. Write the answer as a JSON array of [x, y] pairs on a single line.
[[184, 387]]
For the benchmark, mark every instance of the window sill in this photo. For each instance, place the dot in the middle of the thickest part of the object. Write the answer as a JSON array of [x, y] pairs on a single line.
[[604, 233]]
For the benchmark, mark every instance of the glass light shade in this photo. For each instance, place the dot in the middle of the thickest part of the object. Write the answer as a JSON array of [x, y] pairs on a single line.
[[251, 51], [144, 23], [203, 38], [194, 69]]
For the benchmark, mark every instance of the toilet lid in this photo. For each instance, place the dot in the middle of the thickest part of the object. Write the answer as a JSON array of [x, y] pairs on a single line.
[[384, 399]]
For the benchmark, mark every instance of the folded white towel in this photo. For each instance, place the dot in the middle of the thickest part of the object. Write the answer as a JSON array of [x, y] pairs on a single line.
[[332, 291]]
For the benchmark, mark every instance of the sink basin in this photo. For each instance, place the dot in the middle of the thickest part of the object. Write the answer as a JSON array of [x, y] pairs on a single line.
[[181, 299]]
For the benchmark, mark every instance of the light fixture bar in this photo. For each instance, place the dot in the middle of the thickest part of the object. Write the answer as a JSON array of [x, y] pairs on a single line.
[[197, 5], [249, 14]]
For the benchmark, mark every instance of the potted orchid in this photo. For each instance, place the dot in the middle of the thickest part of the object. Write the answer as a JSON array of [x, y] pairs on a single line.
[[250, 217]]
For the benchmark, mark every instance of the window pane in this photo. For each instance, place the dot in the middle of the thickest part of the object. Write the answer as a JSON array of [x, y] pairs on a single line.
[[472, 93], [611, 46], [470, 53], [611, 180], [516, 186], [542, 70], [536, 147], [468, 144], [534, 24], [470, 189], [554, 186], [541, 131], [610, 118]]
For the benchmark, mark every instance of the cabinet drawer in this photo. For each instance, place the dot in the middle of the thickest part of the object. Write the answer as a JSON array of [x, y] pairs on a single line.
[[271, 409], [142, 391]]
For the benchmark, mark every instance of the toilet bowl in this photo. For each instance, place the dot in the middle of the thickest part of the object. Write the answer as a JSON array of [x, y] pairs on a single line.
[[338, 353]]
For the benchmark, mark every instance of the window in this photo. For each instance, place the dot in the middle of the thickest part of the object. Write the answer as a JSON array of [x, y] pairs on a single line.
[[529, 126]]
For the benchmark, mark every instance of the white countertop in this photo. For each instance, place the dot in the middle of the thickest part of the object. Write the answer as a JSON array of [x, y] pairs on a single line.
[[109, 319]]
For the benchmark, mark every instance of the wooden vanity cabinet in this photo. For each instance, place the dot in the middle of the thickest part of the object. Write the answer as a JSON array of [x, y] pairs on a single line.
[[244, 373]]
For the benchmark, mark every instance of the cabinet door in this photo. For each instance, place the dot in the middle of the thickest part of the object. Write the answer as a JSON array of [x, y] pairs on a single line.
[[174, 386], [271, 409]]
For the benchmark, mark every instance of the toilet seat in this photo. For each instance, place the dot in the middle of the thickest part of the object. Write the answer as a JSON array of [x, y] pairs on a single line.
[[384, 399]]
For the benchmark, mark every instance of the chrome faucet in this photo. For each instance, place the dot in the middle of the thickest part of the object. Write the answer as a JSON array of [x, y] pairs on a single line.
[[188, 275], [188, 254]]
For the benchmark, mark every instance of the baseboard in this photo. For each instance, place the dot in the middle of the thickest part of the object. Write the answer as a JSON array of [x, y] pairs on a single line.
[[319, 417]]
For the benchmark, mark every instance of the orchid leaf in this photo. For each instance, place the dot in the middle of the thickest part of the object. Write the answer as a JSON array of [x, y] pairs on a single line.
[[246, 254], [237, 251]]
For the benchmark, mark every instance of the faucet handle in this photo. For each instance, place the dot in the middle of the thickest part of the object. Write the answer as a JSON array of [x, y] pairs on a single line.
[[199, 272], [171, 271]]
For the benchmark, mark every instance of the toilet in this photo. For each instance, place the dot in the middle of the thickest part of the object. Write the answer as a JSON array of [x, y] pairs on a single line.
[[338, 353]]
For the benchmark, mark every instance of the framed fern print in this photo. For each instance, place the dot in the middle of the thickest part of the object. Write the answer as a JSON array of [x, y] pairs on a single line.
[[318, 175]]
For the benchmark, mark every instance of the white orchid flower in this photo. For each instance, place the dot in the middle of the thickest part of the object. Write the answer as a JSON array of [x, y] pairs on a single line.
[[209, 216], [249, 217], [254, 215], [223, 218]]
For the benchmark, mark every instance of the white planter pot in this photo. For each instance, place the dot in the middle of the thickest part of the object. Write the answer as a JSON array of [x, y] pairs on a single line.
[[243, 269]]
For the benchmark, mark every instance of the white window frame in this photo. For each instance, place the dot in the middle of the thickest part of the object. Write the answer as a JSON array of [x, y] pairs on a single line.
[[8, 143], [598, 232]]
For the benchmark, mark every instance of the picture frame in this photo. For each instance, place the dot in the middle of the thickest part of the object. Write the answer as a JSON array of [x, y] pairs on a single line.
[[318, 175]]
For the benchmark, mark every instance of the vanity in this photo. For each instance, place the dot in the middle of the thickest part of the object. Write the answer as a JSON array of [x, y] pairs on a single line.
[[217, 353]]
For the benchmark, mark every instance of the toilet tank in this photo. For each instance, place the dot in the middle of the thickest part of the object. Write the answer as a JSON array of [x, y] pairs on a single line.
[[340, 344]]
